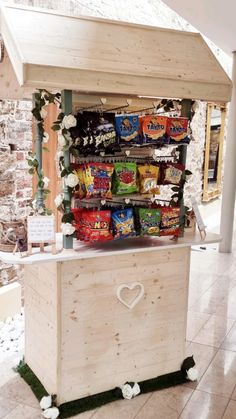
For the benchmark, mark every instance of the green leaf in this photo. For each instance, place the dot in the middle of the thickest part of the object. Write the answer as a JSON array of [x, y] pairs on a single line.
[[45, 148], [40, 184], [56, 127], [64, 172], [48, 211], [30, 162], [31, 171], [175, 189], [67, 218], [61, 116], [187, 172]]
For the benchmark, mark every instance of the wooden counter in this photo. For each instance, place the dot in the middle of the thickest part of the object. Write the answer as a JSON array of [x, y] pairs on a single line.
[[80, 339]]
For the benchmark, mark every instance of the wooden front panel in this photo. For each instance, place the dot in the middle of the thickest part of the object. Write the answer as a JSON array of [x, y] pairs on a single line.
[[41, 323], [104, 343]]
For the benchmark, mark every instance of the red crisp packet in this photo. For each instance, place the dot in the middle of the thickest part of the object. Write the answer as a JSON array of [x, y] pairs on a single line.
[[170, 221], [172, 173], [94, 226], [177, 130]]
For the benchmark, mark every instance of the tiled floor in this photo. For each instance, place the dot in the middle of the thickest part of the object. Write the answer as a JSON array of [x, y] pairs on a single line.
[[211, 337]]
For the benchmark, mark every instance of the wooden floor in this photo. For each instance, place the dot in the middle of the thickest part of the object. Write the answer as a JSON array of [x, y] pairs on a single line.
[[211, 338]]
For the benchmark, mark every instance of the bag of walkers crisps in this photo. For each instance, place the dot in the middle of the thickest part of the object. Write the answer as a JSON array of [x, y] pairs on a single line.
[[125, 178], [149, 221], [170, 221], [127, 128], [177, 130], [97, 179], [148, 179], [95, 226], [123, 223], [172, 173], [153, 128]]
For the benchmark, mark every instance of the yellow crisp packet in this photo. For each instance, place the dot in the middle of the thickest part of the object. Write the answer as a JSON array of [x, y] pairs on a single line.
[[148, 179]]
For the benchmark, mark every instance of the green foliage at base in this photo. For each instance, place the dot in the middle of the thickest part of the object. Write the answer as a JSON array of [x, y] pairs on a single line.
[[88, 403]]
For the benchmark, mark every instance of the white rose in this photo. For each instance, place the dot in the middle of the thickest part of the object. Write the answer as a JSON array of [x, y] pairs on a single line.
[[46, 402], [58, 155], [43, 113], [46, 181], [67, 229], [58, 200], [69, 121], [127, 391], [34, 204], [192, 374], [45, 137], [61, 140], [71, 180], [41, 210], [136, 389], [51, 413]]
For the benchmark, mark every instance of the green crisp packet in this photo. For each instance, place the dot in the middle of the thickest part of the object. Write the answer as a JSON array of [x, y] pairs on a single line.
[[149, 220], [125, 178]]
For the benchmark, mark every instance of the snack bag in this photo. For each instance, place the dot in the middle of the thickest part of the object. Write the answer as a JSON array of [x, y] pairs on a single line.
[[80, 189], [96, 225], [177, 130], [170, 221], [148, 178], [172, 173], [154, 129], [127, 128], [149, 221], [98, 180], [123, 223], [125, 178]]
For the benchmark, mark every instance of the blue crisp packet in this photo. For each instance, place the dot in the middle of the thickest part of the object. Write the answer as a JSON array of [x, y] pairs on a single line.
[[123, 223], [127, 128]]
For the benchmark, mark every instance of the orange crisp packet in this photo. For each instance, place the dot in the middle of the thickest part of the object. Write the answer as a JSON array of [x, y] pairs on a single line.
[[154, 129]]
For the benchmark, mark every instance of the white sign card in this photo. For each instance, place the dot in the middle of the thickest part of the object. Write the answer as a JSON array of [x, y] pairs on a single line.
[[199, 220], [41, 229]]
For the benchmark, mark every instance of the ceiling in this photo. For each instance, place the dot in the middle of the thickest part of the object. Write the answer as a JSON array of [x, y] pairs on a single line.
[[213, 18]]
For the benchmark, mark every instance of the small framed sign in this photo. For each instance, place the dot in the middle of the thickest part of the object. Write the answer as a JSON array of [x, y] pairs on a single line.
[[41, 230], [199, 220]]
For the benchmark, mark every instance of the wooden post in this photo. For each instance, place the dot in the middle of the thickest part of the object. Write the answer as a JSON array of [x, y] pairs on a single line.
[[186, 106], [66, 100], [38, 152]]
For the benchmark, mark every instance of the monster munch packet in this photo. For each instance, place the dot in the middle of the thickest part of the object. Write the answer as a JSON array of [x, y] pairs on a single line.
[[127, 128], [125, 178], [123, 223], [149, 221], [94, 226], [148, 178], [177, 130], [170, 221], [172, 173], [153, 129]]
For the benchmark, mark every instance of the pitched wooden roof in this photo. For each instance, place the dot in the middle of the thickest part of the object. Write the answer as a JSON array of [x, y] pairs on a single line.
[[49, 50]]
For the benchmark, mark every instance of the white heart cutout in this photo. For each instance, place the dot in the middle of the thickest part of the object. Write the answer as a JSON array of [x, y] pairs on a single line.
[[130, 287]]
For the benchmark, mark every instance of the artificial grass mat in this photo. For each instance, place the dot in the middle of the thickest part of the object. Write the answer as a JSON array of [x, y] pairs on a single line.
[[96, 400]]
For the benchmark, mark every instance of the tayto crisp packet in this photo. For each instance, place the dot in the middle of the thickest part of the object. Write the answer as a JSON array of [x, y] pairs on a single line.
[[127, 128], [154, 129], [123, 223], [170, 221], [96, 225], [149, 221], [177, 130], [125, 178], [148, 178], [172, 173]]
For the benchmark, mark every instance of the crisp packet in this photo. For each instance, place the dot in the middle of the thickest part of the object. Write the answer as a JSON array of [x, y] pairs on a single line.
[[125, 178], [94, 225], [170, 221], [177, 130], [98, 180], [172, 173], [154, 129], [127, 128], [149, 221], [123, 223], [148, 179]]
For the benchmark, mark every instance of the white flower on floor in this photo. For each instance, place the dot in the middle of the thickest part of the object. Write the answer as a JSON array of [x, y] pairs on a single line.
[[46, 402], [127, 391], [51, 413], [136, 389], [72, 180], [192, 374], [67, 229], [58, 200], [69, 121], [46, 181]]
